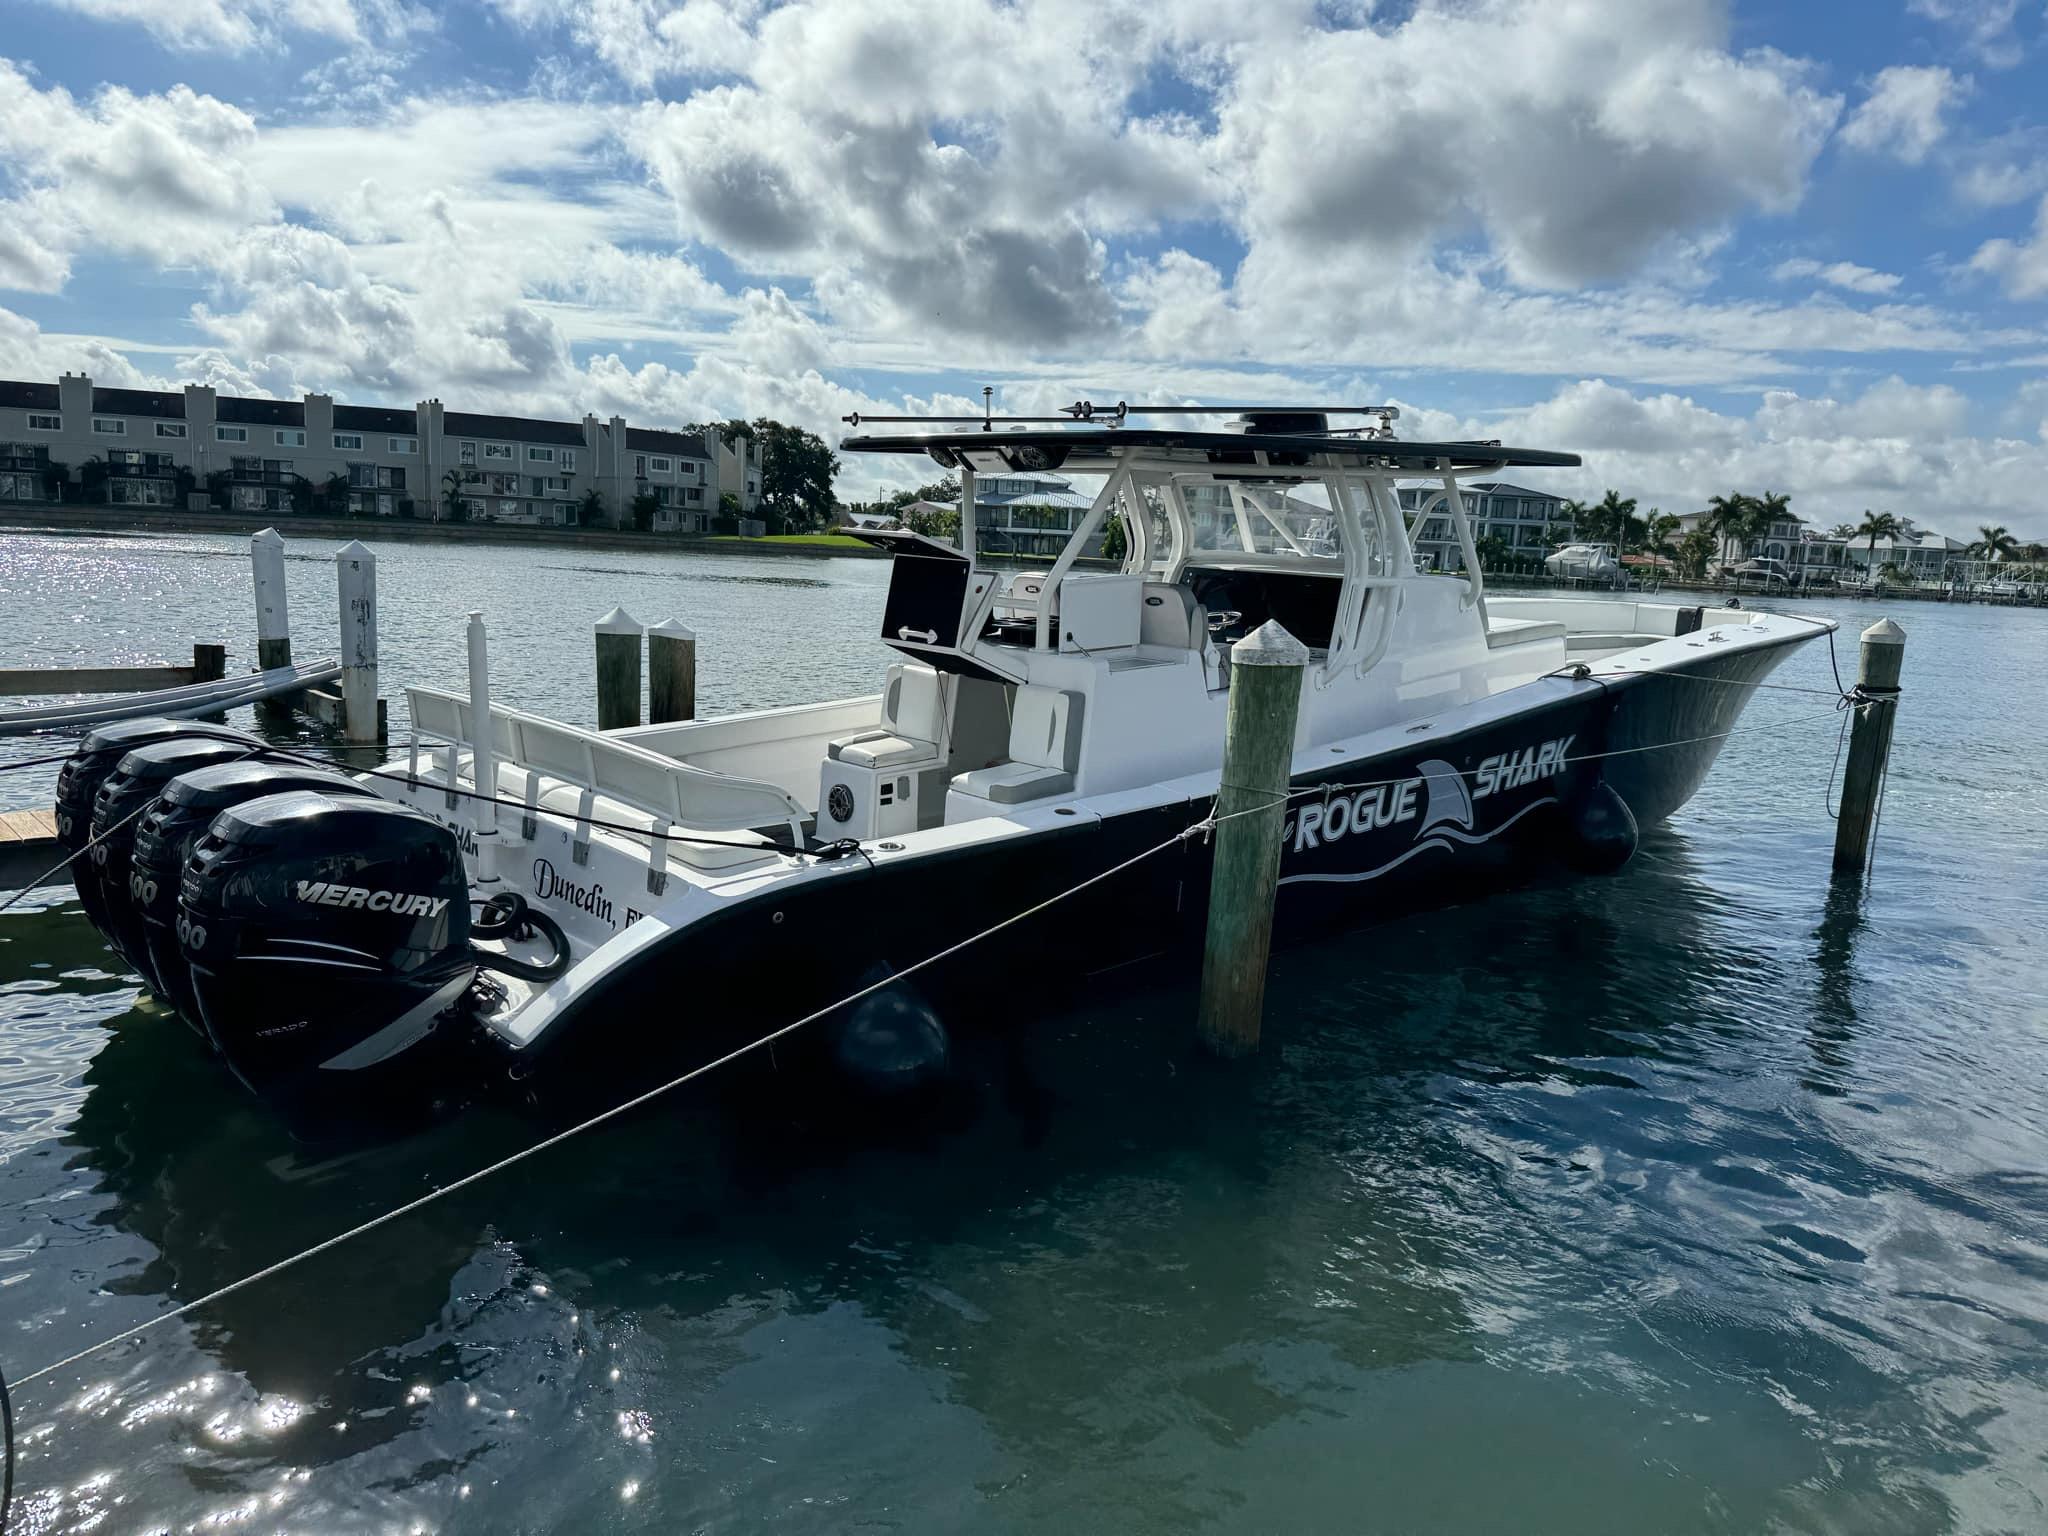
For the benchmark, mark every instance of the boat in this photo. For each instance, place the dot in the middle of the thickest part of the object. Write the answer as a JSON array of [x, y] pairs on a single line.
[[1584, 562], [524, 900], [215, 696]]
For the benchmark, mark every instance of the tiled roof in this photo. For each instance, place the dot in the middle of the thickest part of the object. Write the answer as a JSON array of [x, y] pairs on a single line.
[[374, 418], [140, 402], [250, 411], [21, 395], [655, 440], [512, 429]]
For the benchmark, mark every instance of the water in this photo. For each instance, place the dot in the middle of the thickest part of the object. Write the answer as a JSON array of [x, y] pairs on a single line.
[[1692, 1199]]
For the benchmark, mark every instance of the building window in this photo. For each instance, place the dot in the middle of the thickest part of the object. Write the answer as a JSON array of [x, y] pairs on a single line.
[[348, 440], [465, 453], [170, 429], [403, 444], [540, 455], [568, 459], [45, 423], [288, 438], [231, 434], [499, 451], [660, 466], [110, 426], [639, 466]]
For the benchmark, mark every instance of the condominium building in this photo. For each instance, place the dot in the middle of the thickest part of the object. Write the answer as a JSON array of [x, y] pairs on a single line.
[[193, 446], [1530, 523]]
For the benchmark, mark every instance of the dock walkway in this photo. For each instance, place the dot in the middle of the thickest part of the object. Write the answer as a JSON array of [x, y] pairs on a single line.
[[28, 846]]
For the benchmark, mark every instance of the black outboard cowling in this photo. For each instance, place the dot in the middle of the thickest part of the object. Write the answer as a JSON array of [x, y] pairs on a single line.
[[166, 836], [327, 936], [137, 780], [79, 780]]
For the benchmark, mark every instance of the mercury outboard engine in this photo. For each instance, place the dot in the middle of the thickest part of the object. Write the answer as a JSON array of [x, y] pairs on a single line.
[[327, 935], [166, 836], [137, 780], [79, 780]]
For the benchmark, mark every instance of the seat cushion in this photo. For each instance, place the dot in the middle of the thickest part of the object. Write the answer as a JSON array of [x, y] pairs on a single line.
[[879, 749], [1010, 783]]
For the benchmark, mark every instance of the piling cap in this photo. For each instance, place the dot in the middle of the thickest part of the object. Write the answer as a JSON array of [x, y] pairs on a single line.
[[1269, 646], [266, 536], [674, 629], [1884, 632], [354, 549], [619, 622]]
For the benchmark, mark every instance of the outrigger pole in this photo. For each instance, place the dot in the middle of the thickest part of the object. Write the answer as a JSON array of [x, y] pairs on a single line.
[[1114, 415]]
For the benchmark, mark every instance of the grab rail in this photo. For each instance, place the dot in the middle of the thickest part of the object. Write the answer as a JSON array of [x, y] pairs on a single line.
[[598, 765]]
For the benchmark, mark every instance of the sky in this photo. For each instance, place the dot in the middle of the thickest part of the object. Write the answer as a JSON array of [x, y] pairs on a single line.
[[1710, 245]]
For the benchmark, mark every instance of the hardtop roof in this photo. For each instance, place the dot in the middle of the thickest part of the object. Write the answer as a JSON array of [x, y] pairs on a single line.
[[1072, 448]]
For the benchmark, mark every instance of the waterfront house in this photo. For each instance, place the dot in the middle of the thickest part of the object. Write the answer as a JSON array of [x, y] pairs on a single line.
[[1028, 514], [1529, 523]]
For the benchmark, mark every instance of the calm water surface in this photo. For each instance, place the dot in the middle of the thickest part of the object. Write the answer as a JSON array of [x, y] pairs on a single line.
[[1699, 1198]]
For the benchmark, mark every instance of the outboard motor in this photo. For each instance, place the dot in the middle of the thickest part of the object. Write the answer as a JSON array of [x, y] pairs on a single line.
[[327, 935], [166, 836], [79, 780], [138, 779]]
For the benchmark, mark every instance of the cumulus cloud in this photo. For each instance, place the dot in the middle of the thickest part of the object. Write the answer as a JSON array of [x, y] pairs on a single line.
[[2020, 265], [1846, 275], [237, 26], [1985, 26], [1903, 116]]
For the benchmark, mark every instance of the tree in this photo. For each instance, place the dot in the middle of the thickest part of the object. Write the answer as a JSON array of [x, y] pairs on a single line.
[[92, 478], [1492, 550], [56, 477], [184, 483], [590, 510], [1843, 531], [1875, 526], [1571, 524], [301, 493], [1618, 523], [217, 488], [334, 494], [1994, 542], [1728, 521], [1660, 530], [643, 509], [1694, 551], [453, 502], [797, 469], [1116, 539], [934, 520]]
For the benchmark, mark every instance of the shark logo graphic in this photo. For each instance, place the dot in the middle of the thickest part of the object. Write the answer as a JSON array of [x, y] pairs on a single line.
[[1439, 800]]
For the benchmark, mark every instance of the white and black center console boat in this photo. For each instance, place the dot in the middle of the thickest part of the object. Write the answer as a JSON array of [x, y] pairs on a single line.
[[535, 898]]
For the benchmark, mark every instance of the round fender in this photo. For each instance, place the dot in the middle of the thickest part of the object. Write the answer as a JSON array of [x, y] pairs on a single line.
[[1599, 830], [891, 1043]]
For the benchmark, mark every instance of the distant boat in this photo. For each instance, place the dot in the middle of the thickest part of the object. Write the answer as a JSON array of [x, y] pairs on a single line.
[[1586, 562]]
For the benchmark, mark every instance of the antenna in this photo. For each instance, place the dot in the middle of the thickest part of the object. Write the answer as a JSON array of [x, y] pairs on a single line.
[[987, 397]]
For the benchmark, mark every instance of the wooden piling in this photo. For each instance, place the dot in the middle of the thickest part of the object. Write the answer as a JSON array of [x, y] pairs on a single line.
[[618, 670], [1251, 806], [273, 616], [1881, 659], [356, 584], [671, 672], [209, 662]]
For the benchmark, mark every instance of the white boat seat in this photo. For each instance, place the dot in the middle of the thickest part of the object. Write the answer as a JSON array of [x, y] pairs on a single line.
[[913, 722], [713, 856], [1045, 750], [1501, 633], [1172, 616]]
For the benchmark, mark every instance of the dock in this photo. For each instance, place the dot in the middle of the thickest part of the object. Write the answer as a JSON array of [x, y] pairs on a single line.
[[28, 847]]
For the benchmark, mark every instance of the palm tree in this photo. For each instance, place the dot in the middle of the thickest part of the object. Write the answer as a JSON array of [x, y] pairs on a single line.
[[1875, 526], [1995, 542], [1658, 531], [1843, 531], [1619, 526], [1574, 515], [1728, 520], [451, 495]]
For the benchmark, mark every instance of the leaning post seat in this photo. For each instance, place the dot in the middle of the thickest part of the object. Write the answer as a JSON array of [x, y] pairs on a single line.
[[1045, 750], [913, 723]]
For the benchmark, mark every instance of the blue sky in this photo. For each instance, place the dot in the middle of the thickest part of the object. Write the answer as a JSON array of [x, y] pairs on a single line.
[[1710, 246]]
